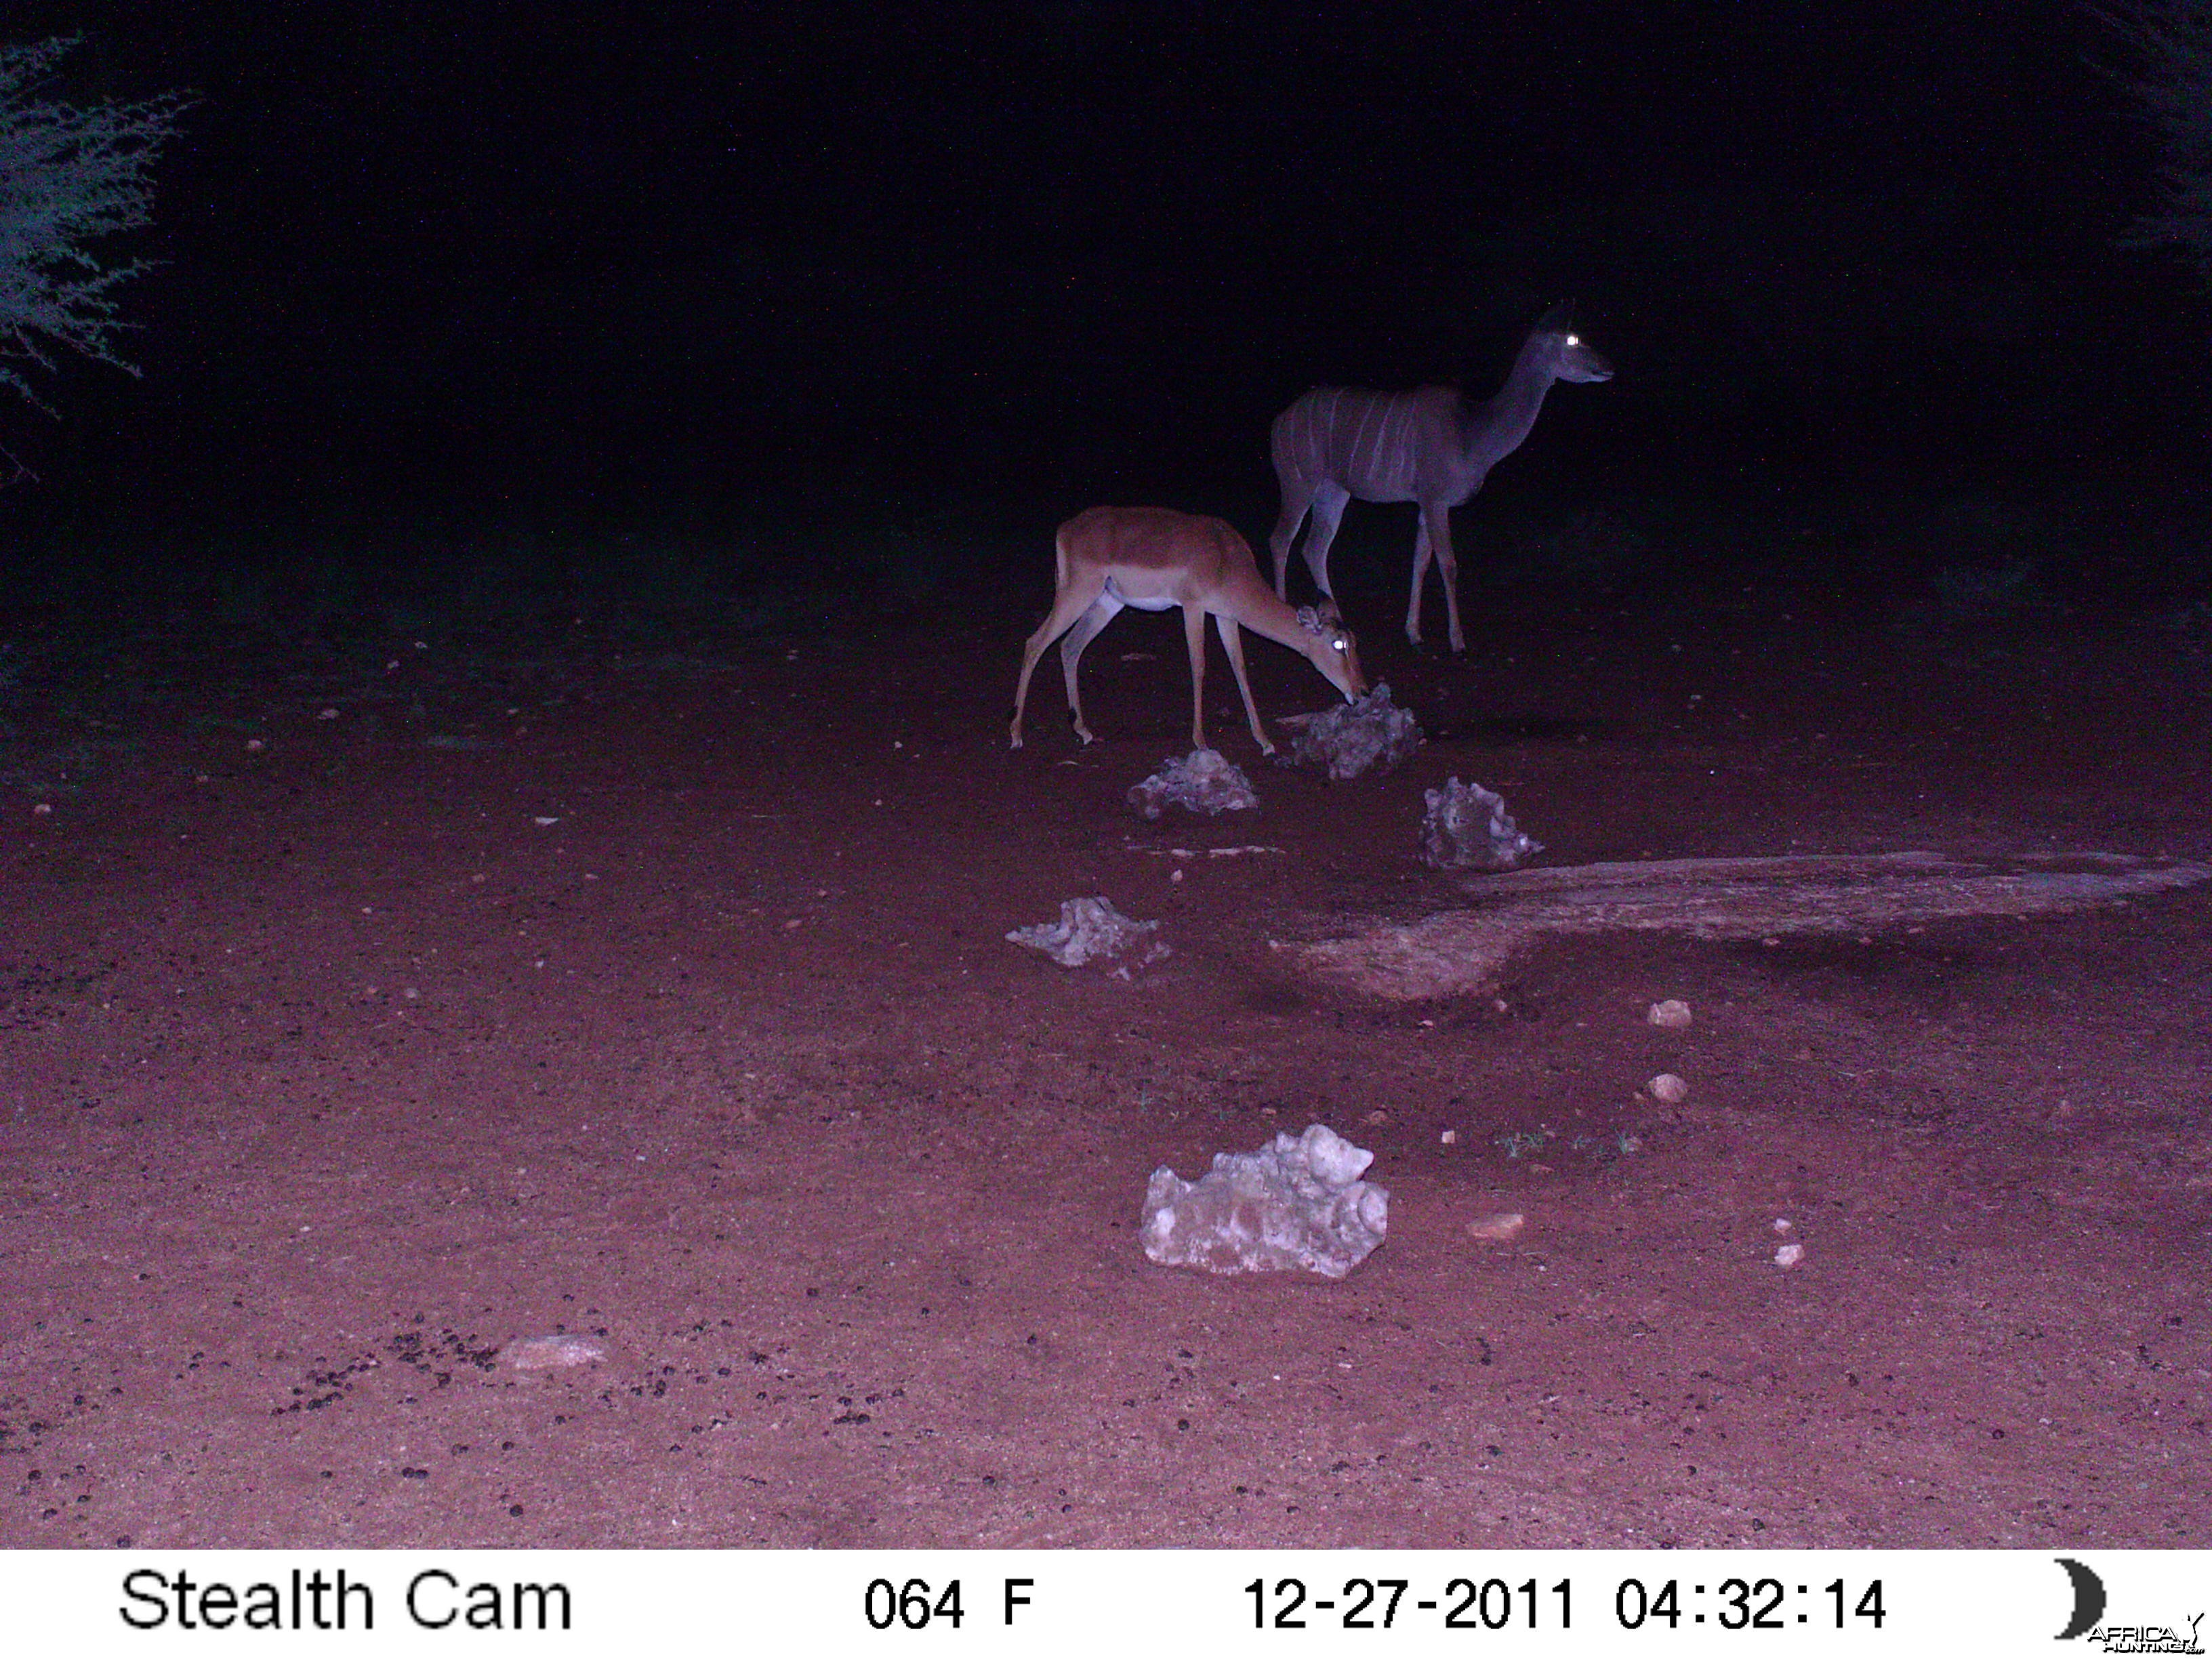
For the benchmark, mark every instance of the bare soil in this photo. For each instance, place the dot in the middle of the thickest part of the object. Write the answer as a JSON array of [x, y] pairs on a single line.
[[369, 1008]]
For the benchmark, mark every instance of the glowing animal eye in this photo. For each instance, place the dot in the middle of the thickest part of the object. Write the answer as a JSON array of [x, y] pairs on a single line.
[[1574, 340]]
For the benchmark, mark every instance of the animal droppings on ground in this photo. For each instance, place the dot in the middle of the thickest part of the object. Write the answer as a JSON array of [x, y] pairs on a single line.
[[1297, 1203], [1467, 827], [1356, 737], [1204, 781]]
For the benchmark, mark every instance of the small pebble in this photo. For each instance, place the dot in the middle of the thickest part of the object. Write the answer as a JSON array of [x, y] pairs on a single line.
[[1672, 1014], [1789, 1255], [1497, 1228], [1667, 1089]]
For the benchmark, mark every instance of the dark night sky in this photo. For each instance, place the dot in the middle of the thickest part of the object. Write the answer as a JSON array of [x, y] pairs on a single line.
[[511, 252]]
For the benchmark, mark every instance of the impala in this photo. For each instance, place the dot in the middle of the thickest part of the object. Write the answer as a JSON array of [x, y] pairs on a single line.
[[1151, 557], [1431, 447]]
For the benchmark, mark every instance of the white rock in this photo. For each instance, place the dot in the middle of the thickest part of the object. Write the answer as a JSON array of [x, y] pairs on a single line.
[[1089, 929], [1673, 1015], [1667, 1089], [1789, 1255], [1299, 1202], [1204, 781], [1352, 737], [1467, 827]]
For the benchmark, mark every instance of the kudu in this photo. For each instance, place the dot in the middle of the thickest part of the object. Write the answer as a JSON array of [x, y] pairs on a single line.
[[1153, 558], [1431, 446]]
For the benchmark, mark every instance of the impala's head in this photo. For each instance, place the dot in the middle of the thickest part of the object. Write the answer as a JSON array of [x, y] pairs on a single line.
[[1333, 651], [1571, 360]]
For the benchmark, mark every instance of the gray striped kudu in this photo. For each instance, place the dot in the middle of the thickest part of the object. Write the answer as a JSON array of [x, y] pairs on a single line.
[[1431, 447]]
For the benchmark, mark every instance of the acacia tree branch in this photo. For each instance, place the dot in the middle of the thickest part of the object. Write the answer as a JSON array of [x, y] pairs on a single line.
[[70, 175]]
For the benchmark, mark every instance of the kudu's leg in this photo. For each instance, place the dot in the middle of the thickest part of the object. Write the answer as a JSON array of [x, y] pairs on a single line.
[[1421, 551], [1329, 502], [1433, 537], [1295, 498], [1232, 641], [1439, 518], [1067, 604]]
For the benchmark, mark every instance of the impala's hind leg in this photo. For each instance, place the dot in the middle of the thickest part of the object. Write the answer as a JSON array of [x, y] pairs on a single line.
[[1070, 603], [1071, 644]]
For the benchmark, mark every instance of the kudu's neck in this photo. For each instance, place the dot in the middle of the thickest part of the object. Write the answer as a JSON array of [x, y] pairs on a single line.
[[1494, 430]]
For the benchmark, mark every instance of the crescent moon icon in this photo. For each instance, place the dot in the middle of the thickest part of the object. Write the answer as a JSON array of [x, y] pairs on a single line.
[[2088, 1599]]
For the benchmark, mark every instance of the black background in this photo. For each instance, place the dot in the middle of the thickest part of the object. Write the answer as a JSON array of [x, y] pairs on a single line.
[[624, 266]]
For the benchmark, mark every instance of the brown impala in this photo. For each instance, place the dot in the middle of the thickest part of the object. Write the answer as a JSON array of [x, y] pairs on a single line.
[[1152, 557]]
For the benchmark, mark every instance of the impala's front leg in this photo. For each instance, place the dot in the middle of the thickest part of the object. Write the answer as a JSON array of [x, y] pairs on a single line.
[[1232, 641], [1193, 633]]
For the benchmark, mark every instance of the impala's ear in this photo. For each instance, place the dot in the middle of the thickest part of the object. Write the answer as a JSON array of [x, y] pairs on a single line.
[[1309, 619], [1559, 320]]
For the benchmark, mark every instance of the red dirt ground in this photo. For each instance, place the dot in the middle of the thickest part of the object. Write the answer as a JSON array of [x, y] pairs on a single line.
[[667, 1000]]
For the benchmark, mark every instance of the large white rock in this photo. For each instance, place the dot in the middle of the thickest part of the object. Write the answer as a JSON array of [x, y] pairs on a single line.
[[1352, 738], [1467, 827], [1204, 781], [1297, 1203]]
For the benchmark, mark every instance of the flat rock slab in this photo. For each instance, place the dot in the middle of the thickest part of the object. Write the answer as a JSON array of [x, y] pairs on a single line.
[[1463, 952]]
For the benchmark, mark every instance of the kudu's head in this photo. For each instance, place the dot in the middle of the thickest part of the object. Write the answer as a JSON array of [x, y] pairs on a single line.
[[1333, 651], [1569, 359]]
